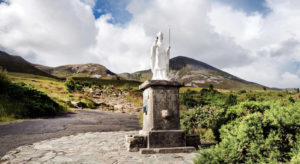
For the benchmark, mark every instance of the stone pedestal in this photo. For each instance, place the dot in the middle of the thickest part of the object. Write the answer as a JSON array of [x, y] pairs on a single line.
[[161, 131], [161, 105]]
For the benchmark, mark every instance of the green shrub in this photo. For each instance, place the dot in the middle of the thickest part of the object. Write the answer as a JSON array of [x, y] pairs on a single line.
[[78, 87], [71, 96], [246, 107], [242, 91], [70, 84], [205, 117], [3, 76], [89, 103], [231, 100], [187, 99], [211, 97], [291, 99], [261, 134]]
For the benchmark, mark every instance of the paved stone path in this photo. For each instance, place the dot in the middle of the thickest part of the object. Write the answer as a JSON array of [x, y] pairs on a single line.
[[96, 147], [16, 134]]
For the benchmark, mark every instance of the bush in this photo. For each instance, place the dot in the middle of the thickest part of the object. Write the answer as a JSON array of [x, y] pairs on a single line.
[[3, 76], [211, 97], [70, 84], [73, 86], [264, 134], [187, 99], [291, 100], [89, 103], [205, 117], [242, 91], [245, 108], [231, 100]]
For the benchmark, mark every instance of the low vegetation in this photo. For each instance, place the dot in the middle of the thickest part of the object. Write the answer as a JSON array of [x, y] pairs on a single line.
[[247, 126], [116, 83], [76, 89], [18, 100]]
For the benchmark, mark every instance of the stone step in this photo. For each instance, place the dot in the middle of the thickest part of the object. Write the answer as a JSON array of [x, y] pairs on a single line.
[[167, 150]]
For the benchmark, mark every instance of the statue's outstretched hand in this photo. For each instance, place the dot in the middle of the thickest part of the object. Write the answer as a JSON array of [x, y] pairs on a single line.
[[168, 49]]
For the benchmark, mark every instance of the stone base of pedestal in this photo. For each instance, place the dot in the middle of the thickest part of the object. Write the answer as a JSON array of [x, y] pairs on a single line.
[[166, 138], [162, 141], [167, 150], [135, 142]]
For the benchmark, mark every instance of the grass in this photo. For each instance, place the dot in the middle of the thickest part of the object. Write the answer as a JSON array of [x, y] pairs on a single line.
[[136, 97], [19, 100], [5, 105], [117, 83], [198, 89], [53, 87]]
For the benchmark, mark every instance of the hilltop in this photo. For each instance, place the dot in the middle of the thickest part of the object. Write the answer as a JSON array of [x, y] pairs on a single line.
[[18, 64], [77, 70]]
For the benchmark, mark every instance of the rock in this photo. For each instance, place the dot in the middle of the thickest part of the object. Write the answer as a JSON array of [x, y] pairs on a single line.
[[134, 143], [78, 104], [69, 103]]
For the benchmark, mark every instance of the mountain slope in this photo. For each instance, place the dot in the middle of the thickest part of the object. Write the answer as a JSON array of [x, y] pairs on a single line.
[[78, 70], [197, 74], [18, 64]]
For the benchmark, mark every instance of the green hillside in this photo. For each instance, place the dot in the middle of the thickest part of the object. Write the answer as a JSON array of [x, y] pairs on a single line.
[[18, 101], [18, 64], [78, 70]]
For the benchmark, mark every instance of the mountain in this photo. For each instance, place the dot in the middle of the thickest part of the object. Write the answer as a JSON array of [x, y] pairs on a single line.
[[197, 74], [78, 70], [18, 64], [187, 70]]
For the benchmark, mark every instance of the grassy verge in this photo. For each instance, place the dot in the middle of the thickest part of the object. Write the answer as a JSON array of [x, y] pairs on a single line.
[[19, 100]]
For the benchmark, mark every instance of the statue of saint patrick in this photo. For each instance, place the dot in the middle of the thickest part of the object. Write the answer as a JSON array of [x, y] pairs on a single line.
[[160, 59]]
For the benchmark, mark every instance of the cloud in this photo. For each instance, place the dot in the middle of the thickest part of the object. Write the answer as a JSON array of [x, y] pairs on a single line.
[[91, 3], [258, 47], [192, 34], [121, 49], [54, 32], [272, 40]]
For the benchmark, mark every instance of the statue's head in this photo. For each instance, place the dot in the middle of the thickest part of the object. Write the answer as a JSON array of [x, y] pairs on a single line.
[[160, 36]]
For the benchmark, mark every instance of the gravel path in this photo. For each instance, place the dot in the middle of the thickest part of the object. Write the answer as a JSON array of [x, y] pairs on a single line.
[[97, 147], [29, 131]]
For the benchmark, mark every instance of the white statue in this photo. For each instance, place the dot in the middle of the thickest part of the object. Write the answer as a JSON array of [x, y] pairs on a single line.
[[160, 59]]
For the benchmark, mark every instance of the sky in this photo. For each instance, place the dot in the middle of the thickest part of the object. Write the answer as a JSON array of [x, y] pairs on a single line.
[[257, 40]]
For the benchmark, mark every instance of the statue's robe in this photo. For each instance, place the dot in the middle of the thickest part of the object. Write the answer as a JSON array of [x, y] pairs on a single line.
[[159, 61]]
